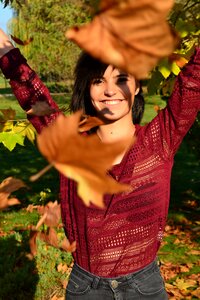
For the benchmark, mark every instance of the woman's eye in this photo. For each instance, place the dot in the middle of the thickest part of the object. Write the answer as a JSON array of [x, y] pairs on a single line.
[[97, 81], [122, 79]]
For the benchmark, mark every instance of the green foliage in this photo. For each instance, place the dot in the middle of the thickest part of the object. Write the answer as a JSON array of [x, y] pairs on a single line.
[[13, 132], [10, 139], [185, 19], [50, 53], [14, 128]]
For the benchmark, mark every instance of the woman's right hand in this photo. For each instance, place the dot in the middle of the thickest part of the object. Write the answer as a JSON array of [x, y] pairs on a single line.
[[5, 43]]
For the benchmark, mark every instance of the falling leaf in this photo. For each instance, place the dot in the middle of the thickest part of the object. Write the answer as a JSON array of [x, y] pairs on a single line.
[[84, 159], [51, 214], [41, 108], [20, 42], [8, 186], [131, 35], [51, 238], [89, 122], [32, 242], [65, 245]]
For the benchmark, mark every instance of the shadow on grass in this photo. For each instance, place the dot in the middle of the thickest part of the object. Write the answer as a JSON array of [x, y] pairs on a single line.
[[18, 274]]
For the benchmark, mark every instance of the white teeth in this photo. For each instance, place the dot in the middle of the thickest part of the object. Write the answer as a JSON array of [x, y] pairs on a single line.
[[112, 102]]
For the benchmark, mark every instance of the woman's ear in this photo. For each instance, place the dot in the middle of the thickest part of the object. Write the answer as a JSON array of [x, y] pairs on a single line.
[[137, 87]]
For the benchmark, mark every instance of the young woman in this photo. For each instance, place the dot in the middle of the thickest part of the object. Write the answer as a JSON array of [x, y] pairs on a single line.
[[116, 246]]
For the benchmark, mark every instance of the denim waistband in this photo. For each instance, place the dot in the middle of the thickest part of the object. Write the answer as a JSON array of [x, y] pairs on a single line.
[[121, 280]]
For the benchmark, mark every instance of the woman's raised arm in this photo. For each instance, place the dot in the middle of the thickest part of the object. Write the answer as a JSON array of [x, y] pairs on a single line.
[[25, 84]]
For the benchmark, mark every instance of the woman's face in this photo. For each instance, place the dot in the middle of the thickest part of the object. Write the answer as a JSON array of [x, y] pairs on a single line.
[[113, 94]]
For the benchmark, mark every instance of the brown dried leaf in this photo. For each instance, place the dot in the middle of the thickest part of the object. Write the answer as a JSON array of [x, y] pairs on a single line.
[[8, 113], [51, 214], [65, 245], [131, 35], [32, 242], [89, 122], [85, 159], [62, 268], [8, 186], [41, 108], [51, 238], [57, 298]]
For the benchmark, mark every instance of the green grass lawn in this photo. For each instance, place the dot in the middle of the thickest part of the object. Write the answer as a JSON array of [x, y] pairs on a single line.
[[22, 278]]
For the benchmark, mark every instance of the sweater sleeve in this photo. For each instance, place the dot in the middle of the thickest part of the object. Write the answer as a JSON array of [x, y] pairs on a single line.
[[168, 129], [27, 87]]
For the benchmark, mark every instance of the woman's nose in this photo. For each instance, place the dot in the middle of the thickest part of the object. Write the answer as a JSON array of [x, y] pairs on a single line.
[[110, 90]]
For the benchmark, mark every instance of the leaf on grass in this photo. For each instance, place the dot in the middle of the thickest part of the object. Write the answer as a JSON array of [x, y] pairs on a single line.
[[172, 290], [84, 159], [20, 42], [131, 35], [57, 298], [8, 186], [182, 284]]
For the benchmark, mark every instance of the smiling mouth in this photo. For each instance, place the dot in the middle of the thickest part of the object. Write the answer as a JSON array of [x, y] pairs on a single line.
[[112, 102]]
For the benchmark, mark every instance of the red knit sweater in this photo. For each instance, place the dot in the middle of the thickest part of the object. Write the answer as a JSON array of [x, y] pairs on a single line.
[[126, 235]]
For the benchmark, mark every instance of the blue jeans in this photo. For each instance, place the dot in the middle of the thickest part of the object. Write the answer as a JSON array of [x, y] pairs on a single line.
[[146, 284]]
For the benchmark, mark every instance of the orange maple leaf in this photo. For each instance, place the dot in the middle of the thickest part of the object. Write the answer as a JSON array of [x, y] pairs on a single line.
[[131, 35], [84, 159]]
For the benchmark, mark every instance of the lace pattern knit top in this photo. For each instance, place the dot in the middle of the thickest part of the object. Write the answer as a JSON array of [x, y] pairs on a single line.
[[126, 235]]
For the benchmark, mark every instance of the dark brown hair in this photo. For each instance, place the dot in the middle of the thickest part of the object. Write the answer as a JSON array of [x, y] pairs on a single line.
[[87, 69]]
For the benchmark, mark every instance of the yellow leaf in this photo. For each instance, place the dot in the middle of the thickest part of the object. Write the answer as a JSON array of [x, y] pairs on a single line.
[[165, 71], [175, 69], [8, 126], [182, 284]]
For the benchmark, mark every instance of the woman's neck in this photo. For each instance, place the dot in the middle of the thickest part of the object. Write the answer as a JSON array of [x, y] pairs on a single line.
[[116, 131]]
